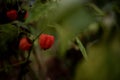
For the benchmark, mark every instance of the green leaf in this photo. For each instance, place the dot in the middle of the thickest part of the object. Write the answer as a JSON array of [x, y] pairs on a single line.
[[72, 25]]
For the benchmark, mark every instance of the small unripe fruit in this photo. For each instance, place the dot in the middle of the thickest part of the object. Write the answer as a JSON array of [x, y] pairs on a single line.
[[12, 14], [25, 44], [46, 41]]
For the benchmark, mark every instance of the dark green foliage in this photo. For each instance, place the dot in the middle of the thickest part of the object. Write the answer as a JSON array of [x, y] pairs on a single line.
[[8, 40]]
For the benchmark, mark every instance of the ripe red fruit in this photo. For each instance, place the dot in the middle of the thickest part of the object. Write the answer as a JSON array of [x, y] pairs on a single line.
[[46, 41], [25, 44], [12, 14], [26, 15]]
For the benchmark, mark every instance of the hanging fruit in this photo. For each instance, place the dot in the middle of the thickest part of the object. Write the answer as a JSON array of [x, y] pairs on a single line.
[[25, 44], [46, 41], [12, 14]]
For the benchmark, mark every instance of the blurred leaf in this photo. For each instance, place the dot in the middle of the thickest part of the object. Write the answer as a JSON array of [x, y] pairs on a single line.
[[82, 49], [95, 67], [72, 25], [103, 62], [38, 10]]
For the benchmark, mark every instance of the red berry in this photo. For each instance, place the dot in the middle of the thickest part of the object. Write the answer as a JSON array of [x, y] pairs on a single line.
[[46, 41], [26, 15], [12, 14], [25, 44]]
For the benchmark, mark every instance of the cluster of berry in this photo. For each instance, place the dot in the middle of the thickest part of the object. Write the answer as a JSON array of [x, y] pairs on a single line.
[[16, 44], [45, 41]]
